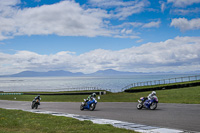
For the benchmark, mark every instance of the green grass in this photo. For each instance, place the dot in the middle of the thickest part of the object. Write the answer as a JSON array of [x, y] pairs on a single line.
[[16, 121], [189, 95], [163, 85]]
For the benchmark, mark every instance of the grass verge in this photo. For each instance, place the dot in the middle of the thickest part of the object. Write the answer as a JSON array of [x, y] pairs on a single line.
[[189, 95], [25, 122], [164, 85]]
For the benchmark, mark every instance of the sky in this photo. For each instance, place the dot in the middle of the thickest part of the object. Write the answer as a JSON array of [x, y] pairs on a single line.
[[91, 35]]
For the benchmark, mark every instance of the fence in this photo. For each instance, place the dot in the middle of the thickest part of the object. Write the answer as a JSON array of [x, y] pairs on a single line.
[[163, 81], [62, 89], [11, 93], [82, 89]]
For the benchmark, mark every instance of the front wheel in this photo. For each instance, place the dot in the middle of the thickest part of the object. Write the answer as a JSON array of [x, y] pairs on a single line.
[[81, 107], [33, 105], [36, 106], [153, 106], [92, 107], [139, 106]]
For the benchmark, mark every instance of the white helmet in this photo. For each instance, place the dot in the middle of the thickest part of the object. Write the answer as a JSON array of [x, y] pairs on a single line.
[[94, 94], [153, 93]]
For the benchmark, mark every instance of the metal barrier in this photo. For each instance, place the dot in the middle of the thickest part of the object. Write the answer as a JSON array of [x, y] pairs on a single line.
[[96, 89], [163, 81], [11, 93], [83, 89]]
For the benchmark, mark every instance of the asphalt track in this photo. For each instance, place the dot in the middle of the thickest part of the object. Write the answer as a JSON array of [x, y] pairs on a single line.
[[174, 116]]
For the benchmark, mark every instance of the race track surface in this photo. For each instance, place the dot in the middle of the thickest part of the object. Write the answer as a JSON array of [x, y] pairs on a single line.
[[175, 116]]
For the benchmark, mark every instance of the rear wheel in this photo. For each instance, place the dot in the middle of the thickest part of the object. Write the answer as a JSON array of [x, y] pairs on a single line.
[[153, 106], [139, 106], [92, 107]]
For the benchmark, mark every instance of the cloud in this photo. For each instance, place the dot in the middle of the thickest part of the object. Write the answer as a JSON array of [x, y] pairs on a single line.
[[126, 11], [127, 30], [152, 24], [120, 9], [183, 3], [185, 11], [179, 54], [183, 24], [141, 40], [163, 6], [109, 4], [66, 18]]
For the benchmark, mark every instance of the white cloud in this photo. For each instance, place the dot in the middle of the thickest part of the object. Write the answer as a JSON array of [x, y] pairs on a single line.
[[183, 24], [126, 36], [178, 54], [126, 30], [121, 9], [126, 11], [183, 3], [66, 18], [141, 40], [152, 24], [108, 4], [163, 6], [185, 11]]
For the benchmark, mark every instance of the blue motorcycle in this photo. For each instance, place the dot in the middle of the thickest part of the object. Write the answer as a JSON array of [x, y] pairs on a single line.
[[149, 104], [90, 105]]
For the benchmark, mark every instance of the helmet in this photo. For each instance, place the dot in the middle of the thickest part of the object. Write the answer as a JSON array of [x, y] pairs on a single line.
[[94, 94], [153, 93]]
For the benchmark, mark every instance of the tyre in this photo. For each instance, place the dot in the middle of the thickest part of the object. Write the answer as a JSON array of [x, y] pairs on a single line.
[[139, 106], [36, 106], [153, 106], [33, 104], [92, 107], [81, 107]]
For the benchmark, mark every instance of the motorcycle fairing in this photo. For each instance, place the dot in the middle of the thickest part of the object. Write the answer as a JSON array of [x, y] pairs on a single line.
[[88, 104]]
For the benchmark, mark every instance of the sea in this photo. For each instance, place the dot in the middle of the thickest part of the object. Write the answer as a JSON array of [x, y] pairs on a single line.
[[113, 83]]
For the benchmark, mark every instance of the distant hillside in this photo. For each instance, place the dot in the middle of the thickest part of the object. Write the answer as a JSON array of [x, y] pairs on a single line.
[[44, 74], [113, 72], [67, 73]]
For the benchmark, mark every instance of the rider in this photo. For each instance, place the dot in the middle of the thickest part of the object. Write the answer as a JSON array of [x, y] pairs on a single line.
[[93, 95], [149, 97], [38, 97]]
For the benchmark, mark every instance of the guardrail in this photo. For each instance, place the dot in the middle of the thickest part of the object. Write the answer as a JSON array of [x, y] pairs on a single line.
[[70, 93], [83, 89], [11, 93], [96, 89], [162, 81]]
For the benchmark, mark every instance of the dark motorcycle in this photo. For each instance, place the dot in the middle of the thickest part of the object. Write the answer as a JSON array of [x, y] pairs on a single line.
[[35, 103], [149, 104]]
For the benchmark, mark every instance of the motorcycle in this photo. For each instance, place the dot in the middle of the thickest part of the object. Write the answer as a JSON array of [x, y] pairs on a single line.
[[149, 104], [35, 103], [90, 105]]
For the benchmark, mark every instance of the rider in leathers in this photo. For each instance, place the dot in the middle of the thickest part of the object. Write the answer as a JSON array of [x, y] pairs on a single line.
[[149, 97], [90, 97], [38, 97]]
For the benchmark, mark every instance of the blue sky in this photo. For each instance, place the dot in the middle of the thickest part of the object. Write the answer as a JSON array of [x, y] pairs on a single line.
[[91, 35]]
